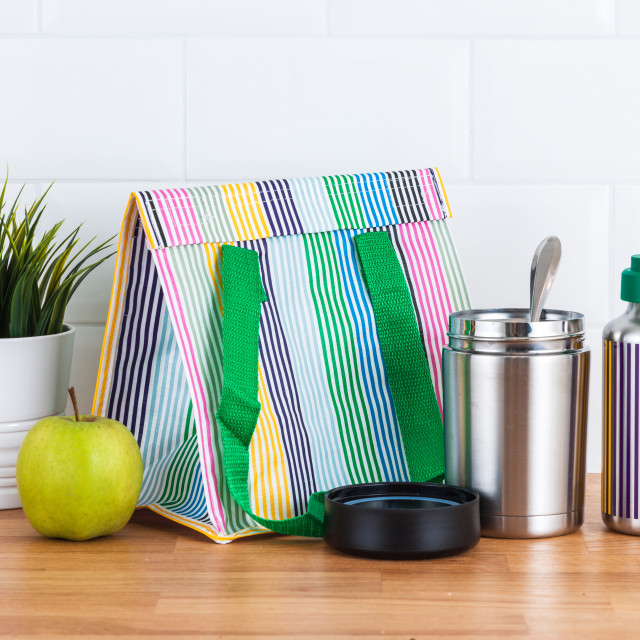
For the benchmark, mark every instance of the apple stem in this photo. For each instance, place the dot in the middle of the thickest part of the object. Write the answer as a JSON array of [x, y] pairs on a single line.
[[72, 393]]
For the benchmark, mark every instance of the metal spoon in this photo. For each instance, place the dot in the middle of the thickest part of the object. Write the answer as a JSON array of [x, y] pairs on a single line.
[[543, 271]]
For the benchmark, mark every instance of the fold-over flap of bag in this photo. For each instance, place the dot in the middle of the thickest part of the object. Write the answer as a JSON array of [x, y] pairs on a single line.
[[252, 210]]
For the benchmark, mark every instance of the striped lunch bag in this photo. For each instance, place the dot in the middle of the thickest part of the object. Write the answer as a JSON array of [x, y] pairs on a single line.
[[270, 340]]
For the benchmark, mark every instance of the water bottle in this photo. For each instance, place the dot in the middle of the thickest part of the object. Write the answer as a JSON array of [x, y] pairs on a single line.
[[621, 411]]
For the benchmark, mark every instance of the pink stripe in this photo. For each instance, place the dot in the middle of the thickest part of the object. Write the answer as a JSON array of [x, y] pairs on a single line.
[[434, 261], [423, 287], [195, 227], [425, 190], [181, 227], [437, 328], [443, 297], [186, 225], [435, 197], [168, 224], [197, 388]]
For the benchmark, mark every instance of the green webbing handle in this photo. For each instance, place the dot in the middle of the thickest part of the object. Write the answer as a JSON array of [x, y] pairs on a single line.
[[404, 357], [405, 361], [242, 295]]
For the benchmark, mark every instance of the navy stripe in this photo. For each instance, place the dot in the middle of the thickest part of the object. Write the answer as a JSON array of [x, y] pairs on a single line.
[[434, 179], [283, 392], [398, 196], [132, 394], [153, 216], [418, 191], [279, 208], [117, 395], [290, 205]]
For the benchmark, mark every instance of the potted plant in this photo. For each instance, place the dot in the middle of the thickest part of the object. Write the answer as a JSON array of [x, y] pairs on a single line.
[[39, 272]]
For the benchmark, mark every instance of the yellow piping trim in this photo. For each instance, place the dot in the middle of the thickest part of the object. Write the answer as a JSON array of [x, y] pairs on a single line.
[[114, 306], [205, 529], [446, 199]]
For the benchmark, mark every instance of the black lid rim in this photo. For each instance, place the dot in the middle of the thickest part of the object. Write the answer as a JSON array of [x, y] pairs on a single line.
[[402, 533], [388, 489]]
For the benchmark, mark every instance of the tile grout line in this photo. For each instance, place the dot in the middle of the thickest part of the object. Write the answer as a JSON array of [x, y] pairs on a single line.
[[38, 17], [185, 67], [471, 104], [611, 250], [324, 36]]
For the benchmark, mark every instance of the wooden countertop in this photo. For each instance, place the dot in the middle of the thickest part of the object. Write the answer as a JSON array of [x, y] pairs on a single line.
[[156, 578]]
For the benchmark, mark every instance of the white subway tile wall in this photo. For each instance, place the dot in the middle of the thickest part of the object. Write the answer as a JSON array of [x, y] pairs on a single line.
[[471, 17], [557, 110], [17, 16], [531, 109], [628, 17], [497, 230], [626, 237], [325, 106], [188, 17]]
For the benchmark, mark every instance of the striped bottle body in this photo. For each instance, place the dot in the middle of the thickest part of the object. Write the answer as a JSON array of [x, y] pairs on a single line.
[[621, 435]]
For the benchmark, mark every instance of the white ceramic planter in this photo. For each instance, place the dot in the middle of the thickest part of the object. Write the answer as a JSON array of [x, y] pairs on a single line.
[[34, 377]]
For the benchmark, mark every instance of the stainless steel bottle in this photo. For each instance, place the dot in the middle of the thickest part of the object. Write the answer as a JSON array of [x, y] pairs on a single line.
[[515, 414], [621, 411]]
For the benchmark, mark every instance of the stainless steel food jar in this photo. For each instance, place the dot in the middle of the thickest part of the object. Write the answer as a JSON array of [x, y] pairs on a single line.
[[515, 415]]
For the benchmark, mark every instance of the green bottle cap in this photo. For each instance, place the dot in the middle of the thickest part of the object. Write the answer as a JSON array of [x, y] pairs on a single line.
[[630, 289]]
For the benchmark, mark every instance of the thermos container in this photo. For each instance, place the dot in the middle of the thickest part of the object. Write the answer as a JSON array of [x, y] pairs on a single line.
[[621, 409], [515, 414]]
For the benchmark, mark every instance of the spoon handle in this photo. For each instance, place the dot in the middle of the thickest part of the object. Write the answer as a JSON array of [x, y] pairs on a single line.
[[543, 271]]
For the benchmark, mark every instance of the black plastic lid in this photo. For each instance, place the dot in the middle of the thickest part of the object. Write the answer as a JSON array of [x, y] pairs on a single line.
[[401, 520]]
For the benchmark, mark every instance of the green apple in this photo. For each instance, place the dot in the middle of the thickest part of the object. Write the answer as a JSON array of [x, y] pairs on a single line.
[[78, 477]]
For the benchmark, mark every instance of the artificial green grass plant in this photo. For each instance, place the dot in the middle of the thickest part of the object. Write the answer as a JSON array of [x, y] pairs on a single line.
[[38, 272]]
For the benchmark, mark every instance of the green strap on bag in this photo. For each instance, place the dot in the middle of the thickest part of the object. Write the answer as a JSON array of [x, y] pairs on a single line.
[[405, 364]]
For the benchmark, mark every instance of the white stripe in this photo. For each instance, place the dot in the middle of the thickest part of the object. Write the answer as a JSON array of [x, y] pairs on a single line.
[[300, 326]]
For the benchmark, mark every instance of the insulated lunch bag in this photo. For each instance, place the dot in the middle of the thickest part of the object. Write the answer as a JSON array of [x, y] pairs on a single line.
[[267, 341]]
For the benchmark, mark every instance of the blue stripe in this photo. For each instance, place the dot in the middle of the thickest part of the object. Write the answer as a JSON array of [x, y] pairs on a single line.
[[384, 200], [384, 422]]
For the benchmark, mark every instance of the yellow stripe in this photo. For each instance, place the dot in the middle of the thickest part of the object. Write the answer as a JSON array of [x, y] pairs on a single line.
[[609, 425], [116, 301], [236, 218], [213, 251], [279, 469], [607, 469], [256, 207], [605, 400], [272, 478], [204, 528], [444, 192], [261, 460], [606, 451], [244, 212]]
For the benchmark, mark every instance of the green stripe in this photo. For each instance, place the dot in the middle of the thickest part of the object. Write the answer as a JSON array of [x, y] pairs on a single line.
[[337, 335], [449, 259], [338, 213], [351, 194], [345, 202]]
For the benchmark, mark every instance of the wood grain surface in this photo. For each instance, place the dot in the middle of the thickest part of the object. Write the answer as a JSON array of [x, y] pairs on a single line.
[[156, 578]]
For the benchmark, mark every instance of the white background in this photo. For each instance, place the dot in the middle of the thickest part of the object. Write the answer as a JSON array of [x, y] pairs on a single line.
[[530, 108]]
